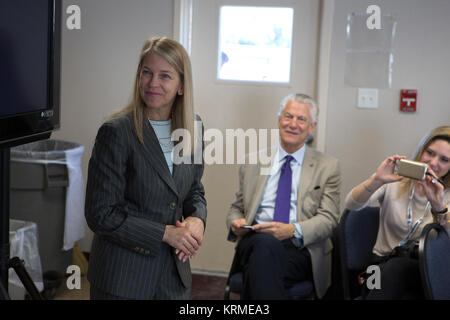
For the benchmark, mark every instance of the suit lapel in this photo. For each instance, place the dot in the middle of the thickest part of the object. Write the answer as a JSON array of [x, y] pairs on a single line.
[[155, 156], [260, 177], [309, 162], [260, 183], [179, 172]]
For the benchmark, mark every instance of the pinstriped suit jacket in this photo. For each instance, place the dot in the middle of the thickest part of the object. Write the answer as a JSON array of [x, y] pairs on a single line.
[[130, 198]]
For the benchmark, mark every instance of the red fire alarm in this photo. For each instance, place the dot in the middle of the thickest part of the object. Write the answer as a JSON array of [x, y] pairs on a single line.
[[408, 100]]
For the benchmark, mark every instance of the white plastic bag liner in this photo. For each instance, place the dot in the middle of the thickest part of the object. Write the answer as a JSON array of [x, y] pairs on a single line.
[[69, 154], [23, 240], [74, 222]]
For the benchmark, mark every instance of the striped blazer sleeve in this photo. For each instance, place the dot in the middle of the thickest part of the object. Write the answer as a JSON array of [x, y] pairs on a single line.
[[107, 211]]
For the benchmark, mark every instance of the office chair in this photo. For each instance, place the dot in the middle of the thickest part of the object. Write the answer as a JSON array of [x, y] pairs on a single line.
[[303, 290], [434, 262], [357, 233]]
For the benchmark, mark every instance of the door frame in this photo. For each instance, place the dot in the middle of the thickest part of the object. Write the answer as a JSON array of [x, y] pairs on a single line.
[[182, 23]]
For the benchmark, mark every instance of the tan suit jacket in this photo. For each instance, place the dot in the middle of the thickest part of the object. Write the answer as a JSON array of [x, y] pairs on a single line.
[[317, 206]]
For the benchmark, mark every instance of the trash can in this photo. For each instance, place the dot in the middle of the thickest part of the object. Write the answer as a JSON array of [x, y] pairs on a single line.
[[23, 243], [46, 187]]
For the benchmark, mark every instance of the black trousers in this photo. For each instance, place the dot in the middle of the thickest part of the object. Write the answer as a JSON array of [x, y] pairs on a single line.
[[400, 280], [270, 266]]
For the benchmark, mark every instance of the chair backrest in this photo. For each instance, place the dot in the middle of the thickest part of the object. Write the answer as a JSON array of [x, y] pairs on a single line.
[[360, 230], [357, 234], [434, 261]]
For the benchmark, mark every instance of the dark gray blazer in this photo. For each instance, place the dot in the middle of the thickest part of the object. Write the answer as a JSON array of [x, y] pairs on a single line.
[[130, 198]]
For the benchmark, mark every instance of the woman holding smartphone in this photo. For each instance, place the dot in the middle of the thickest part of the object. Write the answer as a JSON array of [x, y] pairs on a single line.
[[406, 206]]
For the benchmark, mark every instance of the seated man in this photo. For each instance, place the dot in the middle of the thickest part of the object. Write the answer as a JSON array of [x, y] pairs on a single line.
[[292, 211]]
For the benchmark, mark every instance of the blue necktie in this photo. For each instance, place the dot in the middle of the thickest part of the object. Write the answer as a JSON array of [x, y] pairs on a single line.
[[283, 200]]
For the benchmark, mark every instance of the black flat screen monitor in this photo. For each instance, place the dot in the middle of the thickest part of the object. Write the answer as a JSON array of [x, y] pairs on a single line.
[[29, 70]]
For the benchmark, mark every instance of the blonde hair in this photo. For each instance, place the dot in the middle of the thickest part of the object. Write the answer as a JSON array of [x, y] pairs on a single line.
[[439, 133], [183, 106]]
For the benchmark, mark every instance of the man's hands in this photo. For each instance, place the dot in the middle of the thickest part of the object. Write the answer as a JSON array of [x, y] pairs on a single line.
[[186, 237], [236, 227], [279, 230]]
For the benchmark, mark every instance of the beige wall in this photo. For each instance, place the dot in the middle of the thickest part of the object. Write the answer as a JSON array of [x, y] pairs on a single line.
[[99, 62], [362, 138]]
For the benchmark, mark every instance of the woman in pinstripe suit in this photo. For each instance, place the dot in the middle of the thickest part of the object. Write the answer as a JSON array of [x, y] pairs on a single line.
[[147, 212]]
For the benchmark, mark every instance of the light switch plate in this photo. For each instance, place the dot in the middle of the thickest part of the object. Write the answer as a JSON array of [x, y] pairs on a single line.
[[367, 98]]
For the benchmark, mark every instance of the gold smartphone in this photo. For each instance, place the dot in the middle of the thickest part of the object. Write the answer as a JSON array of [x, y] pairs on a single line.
[[411, 169]]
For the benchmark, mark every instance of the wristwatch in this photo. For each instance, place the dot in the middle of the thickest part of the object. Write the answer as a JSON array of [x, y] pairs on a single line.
[[440, 212]]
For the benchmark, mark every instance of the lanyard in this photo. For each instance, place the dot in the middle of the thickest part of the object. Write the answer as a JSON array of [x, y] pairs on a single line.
[[409, 217]]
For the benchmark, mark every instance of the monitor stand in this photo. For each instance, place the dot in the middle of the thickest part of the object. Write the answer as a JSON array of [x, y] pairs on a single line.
[[5, 262]]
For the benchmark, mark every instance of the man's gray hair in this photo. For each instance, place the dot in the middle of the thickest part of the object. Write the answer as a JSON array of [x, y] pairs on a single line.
[[302, 98]]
